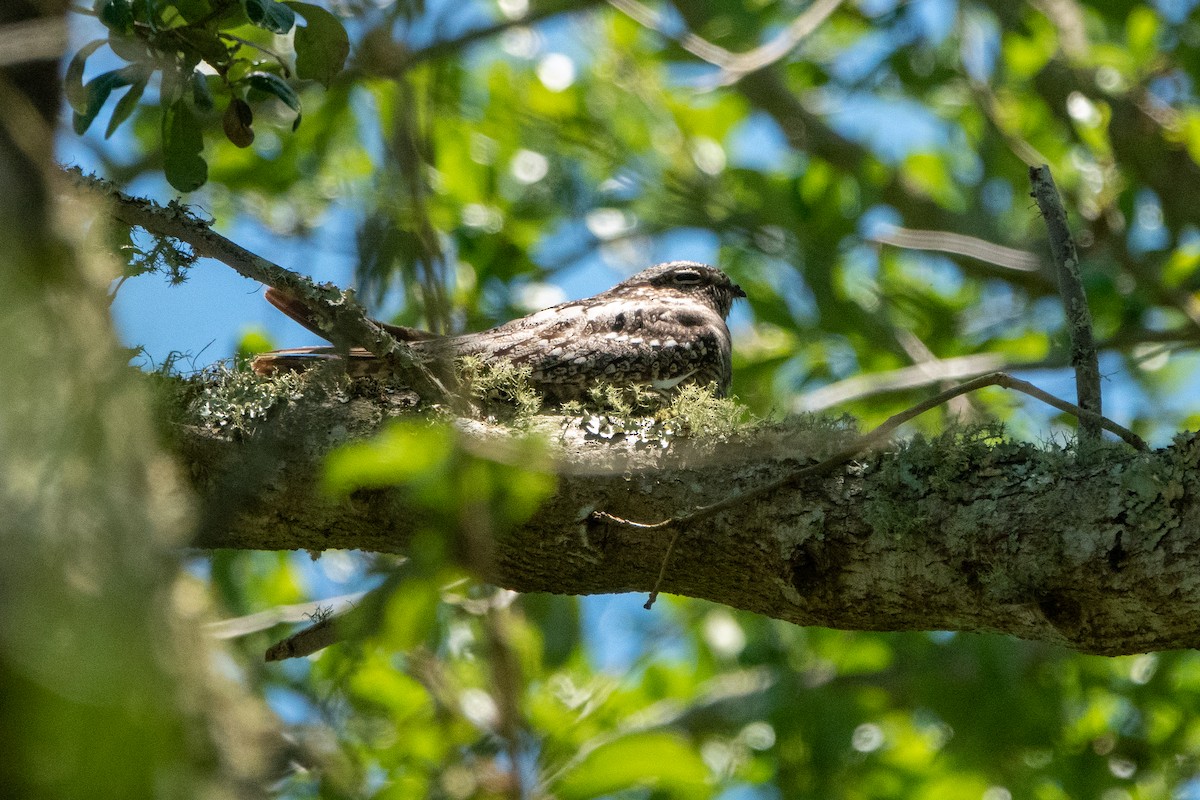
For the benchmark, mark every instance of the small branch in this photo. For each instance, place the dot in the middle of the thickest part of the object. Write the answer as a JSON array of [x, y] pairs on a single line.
[[870, 384], [959, 245], [778, 48], [330, 625], [305, 641], [859, 445], [734, 66], [662, 570], [235, 627], [338, 313], [698, 46], [1079, 318]]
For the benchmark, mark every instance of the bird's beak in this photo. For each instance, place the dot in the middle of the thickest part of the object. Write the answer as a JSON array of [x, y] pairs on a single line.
[[738, 291]]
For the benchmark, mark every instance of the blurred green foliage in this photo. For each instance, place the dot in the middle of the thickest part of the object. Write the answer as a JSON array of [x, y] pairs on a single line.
[[487, 148]]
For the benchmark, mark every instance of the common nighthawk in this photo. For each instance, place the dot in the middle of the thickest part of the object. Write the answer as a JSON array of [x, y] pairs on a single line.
[[663, 327]]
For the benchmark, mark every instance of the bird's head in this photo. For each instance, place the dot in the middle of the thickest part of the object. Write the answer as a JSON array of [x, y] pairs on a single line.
[[690, 278]]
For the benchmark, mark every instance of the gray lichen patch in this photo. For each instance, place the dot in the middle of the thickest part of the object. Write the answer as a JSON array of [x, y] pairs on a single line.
[[499, 384], [234, 402]]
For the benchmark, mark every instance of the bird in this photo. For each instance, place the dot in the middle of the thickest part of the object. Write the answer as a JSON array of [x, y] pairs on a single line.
[[663, 328]]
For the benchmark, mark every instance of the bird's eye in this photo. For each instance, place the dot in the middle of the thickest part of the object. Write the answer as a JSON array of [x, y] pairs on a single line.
[[687, 277]]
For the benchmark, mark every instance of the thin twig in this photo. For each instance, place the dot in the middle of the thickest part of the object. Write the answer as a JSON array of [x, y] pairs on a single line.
[[778, 48], [734, 66], [698, 46], [339, 314], [857, 446], [305, 641], [960, 245], [662, 570], [1079, 319]]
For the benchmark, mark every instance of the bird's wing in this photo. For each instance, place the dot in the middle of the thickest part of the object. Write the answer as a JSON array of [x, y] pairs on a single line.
[[582, 340]]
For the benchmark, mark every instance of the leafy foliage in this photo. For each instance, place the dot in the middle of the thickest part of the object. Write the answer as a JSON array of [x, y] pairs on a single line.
[[205, 51], [867, 189]]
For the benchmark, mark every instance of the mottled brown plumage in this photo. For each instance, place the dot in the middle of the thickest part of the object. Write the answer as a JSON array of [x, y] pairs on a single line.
[[663, 327]]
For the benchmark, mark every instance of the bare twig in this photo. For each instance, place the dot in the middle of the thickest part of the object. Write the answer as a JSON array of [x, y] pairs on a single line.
[[1079, 319], [778, 48], [306, 641], [960, 245], [261, 620], [698, 46], [956, 368], [734, 66], [341, 317], [859, 445]]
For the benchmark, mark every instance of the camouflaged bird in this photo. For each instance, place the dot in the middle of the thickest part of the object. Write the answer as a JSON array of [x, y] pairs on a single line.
[[663, 327]]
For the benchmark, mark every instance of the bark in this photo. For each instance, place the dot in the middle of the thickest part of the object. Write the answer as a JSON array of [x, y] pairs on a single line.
[[1088, 549]]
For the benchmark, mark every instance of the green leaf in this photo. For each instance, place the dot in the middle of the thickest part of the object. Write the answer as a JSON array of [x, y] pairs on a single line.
[[1141, 34], [268, 14], [127, 103], [205, 45], [98, 89], [77, 95], [400, 454], [130, 48], [182, 144], [192, 10], [321, 45], [201, 95], [272, 84], [117, 15], [658, 760]]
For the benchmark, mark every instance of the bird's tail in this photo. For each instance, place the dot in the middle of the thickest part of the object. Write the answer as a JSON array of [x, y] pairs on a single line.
[[360, 362]]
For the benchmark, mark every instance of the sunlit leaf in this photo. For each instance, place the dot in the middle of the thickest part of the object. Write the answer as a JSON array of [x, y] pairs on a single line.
[[1141, 33], [659, 761], [401, 453], [183, 142]]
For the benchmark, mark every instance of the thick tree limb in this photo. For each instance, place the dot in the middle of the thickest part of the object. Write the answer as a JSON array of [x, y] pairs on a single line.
[[1093, 553]]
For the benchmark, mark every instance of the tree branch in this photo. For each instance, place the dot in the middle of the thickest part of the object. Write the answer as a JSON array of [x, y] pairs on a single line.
[[956, 534], [338, 314], [1079, 318]]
